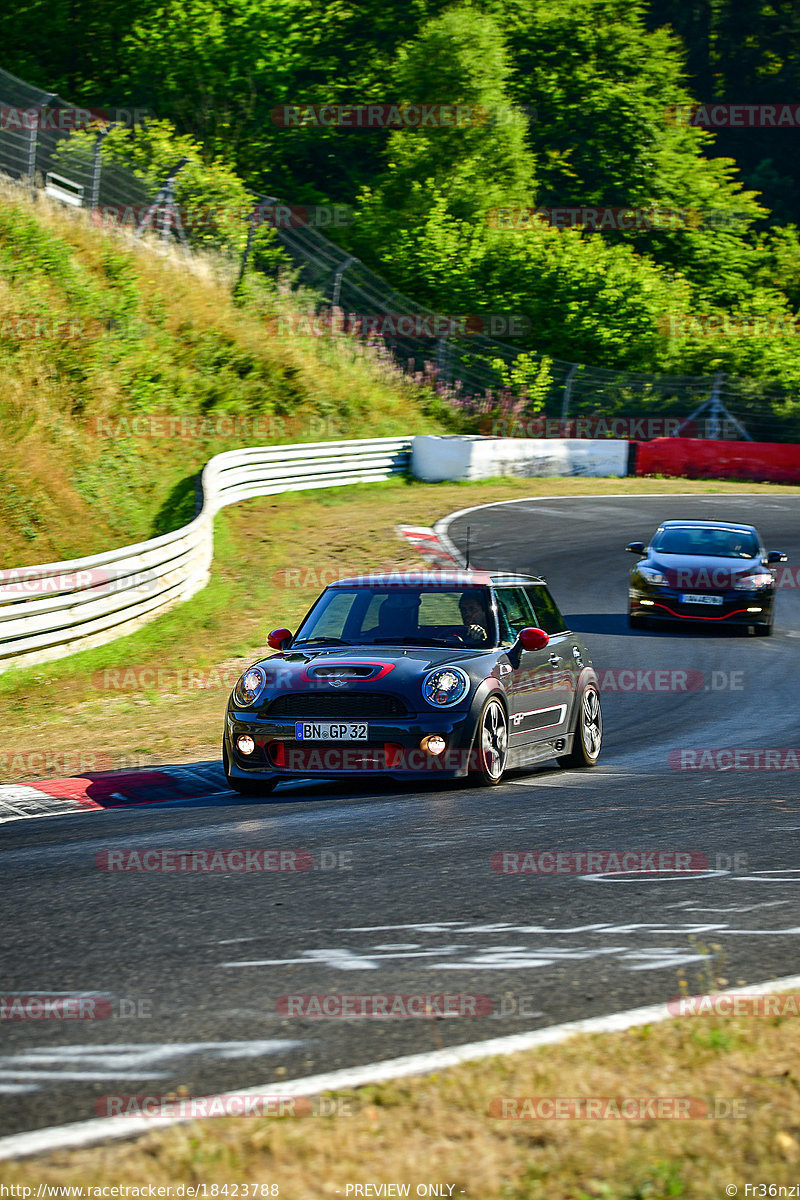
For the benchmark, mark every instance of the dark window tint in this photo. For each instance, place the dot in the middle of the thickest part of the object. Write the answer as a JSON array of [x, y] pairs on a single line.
[[367, 616], [514, 611], [716, 543], [545, 608]]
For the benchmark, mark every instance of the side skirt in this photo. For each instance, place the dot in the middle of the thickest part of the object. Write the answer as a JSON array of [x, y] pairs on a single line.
[[523, 756]]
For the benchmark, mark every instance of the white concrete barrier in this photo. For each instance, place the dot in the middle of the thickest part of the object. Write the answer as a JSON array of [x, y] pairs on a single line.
[[57, 609], [435, 459]]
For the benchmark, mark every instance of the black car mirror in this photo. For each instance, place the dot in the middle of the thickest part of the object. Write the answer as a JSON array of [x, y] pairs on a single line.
[[635, 547], [776, 556]]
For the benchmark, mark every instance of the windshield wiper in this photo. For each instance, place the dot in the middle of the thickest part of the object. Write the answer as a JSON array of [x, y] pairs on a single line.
[[330, 641], [408, 641]]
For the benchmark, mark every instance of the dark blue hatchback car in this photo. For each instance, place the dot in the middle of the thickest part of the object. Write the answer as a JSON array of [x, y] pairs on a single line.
[[416, 675], [716, 572]]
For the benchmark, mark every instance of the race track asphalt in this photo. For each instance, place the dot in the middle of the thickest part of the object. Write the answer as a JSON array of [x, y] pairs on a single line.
[[187, 969]]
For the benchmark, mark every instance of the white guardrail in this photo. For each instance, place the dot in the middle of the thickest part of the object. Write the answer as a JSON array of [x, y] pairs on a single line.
[[51, 611]]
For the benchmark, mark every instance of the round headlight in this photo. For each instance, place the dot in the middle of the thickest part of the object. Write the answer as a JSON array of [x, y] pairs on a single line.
[[445, 686], [249, 687]]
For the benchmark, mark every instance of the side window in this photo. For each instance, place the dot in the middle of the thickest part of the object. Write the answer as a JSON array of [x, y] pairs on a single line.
[[548, 616], [514, 611]]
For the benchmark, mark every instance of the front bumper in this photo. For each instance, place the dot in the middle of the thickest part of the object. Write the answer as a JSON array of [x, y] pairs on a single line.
[[737, 608], [393, 749]]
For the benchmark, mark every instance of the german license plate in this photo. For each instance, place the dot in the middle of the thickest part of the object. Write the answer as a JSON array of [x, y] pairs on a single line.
[[331, 731], [691, 598]]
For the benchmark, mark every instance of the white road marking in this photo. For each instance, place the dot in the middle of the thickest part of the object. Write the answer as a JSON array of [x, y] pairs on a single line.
[[115, 1061], [574, 778], [87, 1133]]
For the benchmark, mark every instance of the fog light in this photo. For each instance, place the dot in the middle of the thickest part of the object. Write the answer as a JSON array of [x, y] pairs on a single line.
[[434, 743], [754, 610], [649, 603], [245, 744]]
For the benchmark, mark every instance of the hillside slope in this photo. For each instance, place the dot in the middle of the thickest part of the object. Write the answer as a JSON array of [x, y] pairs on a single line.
[[124, 369]]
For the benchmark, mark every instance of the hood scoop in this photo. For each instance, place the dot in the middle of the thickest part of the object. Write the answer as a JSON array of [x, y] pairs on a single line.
[[345, 671]]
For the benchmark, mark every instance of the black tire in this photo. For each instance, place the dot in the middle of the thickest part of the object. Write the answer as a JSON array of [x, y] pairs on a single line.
[[246, 787], [491, 744], [587, 740], [636, 622], [762, 630]]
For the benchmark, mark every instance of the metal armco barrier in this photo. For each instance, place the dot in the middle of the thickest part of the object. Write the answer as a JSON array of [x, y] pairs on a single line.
[[58, 609]]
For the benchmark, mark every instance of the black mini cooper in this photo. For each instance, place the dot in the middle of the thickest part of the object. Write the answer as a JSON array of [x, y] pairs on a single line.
[[416, 675]]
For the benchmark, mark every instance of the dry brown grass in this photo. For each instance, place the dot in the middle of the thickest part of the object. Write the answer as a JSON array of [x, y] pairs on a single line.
[[437, 1128]]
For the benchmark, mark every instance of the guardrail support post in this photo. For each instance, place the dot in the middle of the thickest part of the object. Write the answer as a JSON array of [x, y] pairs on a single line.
[[337, 280]]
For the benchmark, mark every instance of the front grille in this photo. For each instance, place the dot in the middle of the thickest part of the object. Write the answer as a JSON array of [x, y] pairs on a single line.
[[336, 705]]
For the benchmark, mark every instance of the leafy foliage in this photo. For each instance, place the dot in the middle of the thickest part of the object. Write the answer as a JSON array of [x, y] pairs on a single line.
[[576, 97]]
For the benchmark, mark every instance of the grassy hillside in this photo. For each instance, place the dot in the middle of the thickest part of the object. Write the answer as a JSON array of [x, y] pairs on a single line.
[[124, 369]]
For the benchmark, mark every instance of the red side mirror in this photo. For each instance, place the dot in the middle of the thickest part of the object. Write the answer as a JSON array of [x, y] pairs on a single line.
[[276, 639], [533, 639]]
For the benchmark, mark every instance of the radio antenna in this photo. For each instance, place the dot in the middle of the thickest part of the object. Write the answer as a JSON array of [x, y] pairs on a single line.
[[467, 562]]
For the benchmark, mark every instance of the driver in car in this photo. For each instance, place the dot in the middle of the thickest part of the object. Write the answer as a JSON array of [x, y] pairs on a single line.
[[473, 614]]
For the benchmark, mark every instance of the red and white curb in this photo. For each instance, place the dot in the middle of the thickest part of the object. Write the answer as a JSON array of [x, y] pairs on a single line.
[[113, 789], [103, 1129]]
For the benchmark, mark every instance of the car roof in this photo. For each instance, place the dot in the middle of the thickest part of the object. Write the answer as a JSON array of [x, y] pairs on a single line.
[[733, 526], [437, 578]]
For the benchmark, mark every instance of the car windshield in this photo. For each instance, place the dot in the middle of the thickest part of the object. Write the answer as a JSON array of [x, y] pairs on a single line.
[[392, 615], [714, 543]]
